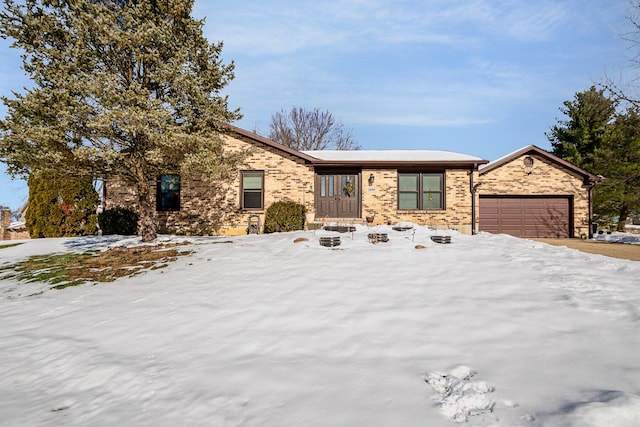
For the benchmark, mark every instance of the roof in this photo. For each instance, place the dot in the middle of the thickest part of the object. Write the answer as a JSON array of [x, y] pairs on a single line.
[[17, 225], [369, 158], [394, 159], [257, 138], [532, 149], [392, 155]]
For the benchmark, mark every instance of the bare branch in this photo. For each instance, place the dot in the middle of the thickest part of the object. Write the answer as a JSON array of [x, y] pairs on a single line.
[[310, 130]]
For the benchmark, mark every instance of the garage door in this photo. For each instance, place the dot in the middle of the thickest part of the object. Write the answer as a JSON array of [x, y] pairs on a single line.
[[525, 216]]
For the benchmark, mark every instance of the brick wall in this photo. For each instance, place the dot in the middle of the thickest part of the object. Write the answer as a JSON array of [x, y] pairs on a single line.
[[11, 233], [208, 207], [286, 177], [543, 178], [214, 208], [381, 200]]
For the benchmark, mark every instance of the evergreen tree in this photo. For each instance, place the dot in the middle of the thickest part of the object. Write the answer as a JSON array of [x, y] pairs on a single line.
[[61, 206], [619, 161], [577, 138], [127, 90], [606, 143]]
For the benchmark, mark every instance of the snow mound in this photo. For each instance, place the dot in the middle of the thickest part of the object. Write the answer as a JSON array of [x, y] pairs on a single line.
[[458, 396]]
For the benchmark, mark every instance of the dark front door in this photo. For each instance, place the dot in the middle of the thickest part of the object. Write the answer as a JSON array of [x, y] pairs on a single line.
[[337, 195]]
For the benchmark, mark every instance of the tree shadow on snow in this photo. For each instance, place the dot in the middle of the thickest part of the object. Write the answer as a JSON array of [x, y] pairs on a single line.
[[96, 242], [572, 409]]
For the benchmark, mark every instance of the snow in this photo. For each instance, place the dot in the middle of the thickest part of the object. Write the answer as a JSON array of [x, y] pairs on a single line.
[[489, 330], [506, 156], [16, 224], [391, 155], [617, 237]]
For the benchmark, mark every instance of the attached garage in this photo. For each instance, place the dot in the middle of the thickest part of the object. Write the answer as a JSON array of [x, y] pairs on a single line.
[[532, 193], [526, 216]]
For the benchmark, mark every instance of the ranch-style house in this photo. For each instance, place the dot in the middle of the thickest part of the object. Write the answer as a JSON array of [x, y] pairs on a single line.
[[528, 193]]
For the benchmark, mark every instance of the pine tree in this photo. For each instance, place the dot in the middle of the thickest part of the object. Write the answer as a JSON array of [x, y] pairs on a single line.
[[605, 142], [619, 161], [61, 206], [127, 90], [577, 138]]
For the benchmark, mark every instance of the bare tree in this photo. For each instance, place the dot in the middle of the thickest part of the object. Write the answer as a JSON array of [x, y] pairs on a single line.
[[625, 90], [310, 130]]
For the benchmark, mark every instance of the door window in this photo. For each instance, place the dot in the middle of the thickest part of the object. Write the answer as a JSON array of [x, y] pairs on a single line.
[[348, 185], [326, 186]]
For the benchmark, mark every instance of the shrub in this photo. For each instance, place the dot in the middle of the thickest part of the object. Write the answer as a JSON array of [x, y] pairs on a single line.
[[118, 221], [61, 206], [284, 216]]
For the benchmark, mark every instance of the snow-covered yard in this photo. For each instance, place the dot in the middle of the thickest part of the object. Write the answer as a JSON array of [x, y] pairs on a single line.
[[266, 332]]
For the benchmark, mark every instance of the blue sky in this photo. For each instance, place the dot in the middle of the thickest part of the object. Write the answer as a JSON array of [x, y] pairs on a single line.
[[481, 77]]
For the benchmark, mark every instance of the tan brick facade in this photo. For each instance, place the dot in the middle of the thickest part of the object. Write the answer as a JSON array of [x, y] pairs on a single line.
[[11, 233], [214, 208], [544, 177], [208, 207], [285, 178], [381, 201]]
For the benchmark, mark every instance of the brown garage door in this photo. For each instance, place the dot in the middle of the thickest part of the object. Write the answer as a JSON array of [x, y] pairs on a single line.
[[526, 216]]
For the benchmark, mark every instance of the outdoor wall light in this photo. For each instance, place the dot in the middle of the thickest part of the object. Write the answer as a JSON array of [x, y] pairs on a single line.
[[371, 179]]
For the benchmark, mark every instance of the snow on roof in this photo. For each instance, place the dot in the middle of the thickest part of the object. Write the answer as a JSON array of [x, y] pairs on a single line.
[[16, 225], [391, 155], [539, 151], [506, 156]]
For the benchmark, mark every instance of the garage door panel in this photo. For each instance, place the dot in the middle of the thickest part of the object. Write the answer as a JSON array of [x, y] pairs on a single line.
[[526, 216]]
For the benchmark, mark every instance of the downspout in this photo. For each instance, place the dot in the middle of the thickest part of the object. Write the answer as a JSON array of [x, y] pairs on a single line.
[[473, 188], [592, 183], [590, 194]]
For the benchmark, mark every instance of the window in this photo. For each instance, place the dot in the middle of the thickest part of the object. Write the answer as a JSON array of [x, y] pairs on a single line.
[[420, 191], [168, 193], [252, 189], [326, 185]]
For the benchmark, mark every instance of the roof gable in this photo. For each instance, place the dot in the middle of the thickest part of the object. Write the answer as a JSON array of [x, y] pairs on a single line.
[[245, 134], [532, 149]]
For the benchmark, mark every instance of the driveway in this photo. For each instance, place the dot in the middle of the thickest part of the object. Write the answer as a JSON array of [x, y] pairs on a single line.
[[615, 250]]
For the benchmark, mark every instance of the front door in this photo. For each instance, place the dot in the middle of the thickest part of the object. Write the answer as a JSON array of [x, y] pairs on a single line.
[[337, 194]]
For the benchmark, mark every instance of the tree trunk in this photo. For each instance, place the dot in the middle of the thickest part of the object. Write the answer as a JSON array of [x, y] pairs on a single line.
[[622, 217], [146, 220]]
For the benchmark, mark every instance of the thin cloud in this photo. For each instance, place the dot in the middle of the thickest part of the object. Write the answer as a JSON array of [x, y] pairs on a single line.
[[266, 28]]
